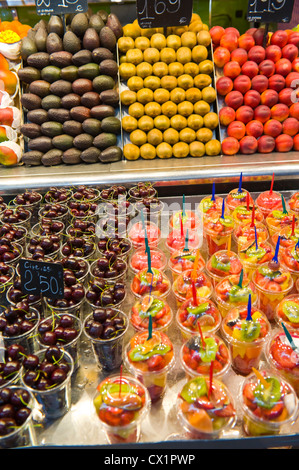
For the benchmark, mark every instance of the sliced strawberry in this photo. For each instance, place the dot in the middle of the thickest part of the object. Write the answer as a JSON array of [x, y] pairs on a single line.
[[226, 412], [274, 412]]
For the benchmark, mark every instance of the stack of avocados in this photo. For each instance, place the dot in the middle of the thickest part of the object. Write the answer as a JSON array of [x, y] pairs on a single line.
[[70, 90]]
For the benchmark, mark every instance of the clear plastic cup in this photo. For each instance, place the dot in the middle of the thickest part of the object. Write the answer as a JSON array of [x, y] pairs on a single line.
[[287, 312], [293, 202], [46, 212], [243, 216], [230, 294], [121, 276], [67, 249], [288, 239], [253, 257], [217, 232], [18, 252], [155, 307], [245, 338], [152, 210], [37, 229], [272, 284], [223, 263], [27, 339], [137, 235], [145, 282], [22, 435], [33, 208], [268, 201], [134, 192], [277, 220], [55, 401], [121, 404], [183, 260], [21, 238], [289, 258], [177, 241], [265, 414], [139, 260], [244, 236], [120, 245], [205, 313], [149, 365], [12, 216], [196, 356], [190, 220], [76, 309], [108, 352], [4, 286], [206, 206], [182, 286], [204, 422], [237, 198]]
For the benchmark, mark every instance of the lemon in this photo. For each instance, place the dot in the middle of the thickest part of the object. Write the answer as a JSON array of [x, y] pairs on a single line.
[[204, 135], [128, 97], [145, 95], [195, 121], [173, 41], [152, 82], [197, 149], [155, 137], [135, 83], [187, 135], [185, 108], [145, 123], [167, 55], [176, 69], [151, 55], [164, 150], [185, 81], [161, 122], [158, 40], [169, 108], [213, 147], [183, 54], [125, 43], [147, 151], [134, 56], [127, 70], [152, 109], [129, 123], [171, 136], [169, 82], [180, 150], [136, 110], [144, 69], [161, 95], [142, 42], [177, 95], [160, 69], [178, 122], [131, 152], [138, 137]]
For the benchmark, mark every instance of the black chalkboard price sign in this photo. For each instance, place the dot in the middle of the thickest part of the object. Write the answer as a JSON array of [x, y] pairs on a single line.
[[60, 7], [270, 11], [42, 278], [163, 13]]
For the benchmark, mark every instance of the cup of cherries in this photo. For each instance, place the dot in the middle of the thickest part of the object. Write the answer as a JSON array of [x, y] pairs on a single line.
[[30, 199], [11, 358], [79, 247], [13, 233], [119, 246], [141, 191], [81, 228], [48, 227], [101, 293], [54, 211], [74, 270], [85, 193], [72, 301], [10, 252], [15, 295], [58, 195], [47, 375], [44, 246], [7, 273], [106, 328], [109, 266], [16, 216], [113, 193]]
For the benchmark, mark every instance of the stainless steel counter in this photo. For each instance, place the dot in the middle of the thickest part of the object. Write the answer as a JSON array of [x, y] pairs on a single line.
[[162, 172]]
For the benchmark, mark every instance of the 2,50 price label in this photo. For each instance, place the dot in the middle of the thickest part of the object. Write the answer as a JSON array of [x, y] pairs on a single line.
[[41, 278], [163, 13]]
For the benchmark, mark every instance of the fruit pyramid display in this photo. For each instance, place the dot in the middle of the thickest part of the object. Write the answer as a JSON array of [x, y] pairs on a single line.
[[257, 76], [70, 96], [167, 93]]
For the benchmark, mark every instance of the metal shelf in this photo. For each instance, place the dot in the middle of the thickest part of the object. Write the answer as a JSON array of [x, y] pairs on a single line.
[[165, 173]]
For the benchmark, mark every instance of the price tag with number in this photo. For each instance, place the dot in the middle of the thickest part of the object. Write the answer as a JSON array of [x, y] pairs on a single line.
[[163, 13], [270, 11], [42, 278], [60, 7]]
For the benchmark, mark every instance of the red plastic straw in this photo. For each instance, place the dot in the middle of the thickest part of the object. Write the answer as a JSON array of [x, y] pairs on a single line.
[[120, 380], [272, 182], [247, 200], [253, 215], [293, 225], [194, 293], [211, 379], [182, 226], [201, 335]]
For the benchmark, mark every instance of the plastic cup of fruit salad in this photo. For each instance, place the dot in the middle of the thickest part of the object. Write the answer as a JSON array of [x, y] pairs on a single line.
[[268, 404], [237, 198], [245, 337], [287, 312], [121, 404], [182, 286], [150, 359], [273, 284], [208, 205], [278, 219], [223, 263], [253, 257], [183, 260], [282, 358], [217, 231], [190, 220], [289, 258], [177, 241], [244, 235], [139, 260], [229, 293], [137, 234], [204, 315], [205, 410], [147, 306], [288, 239], [155, 282], [268, 201], [198, 352], [243, 216], [294, 202]]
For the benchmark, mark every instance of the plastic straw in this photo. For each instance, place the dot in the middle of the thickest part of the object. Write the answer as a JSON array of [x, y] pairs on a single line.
[[272, 182], [240, 184], [249, 318], [213, 193]]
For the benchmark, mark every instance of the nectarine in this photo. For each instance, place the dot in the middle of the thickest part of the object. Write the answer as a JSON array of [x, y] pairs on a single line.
[[236, 129], [257, 54], [279, 38], [290, 52], [273, 53], [280, 112], [294, 110], [294, 38], [262, 113], [285, 96], [259, 83], [224, 85], [266, 144], [269, 98], [234, 99], [242, 83], [248, 145], [290, 126], [221, 56], [244, 114], [267, 67], [246, 41], [226, 115], [229, 40], [250, 68], [283, 67], [276, 82], [284, 143], [296, 142], [239, 55], [231, 69], [230, 146], [254, 128], [216, 32], [273, 128], [252, 98]]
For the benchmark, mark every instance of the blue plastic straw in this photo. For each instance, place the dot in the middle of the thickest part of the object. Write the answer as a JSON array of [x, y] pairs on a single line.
[[240, 184], [255, 236], [275, 257], [213, 193], [249, 318]]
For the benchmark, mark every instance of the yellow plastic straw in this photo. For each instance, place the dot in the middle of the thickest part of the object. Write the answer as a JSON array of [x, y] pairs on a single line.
[[261, 378]]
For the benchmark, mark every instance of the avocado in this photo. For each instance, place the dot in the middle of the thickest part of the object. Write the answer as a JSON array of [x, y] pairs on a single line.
[[58, 114], [31, 101], [103, 14], [61, 88], [51, 128], [63, 141], [107, 38], [40, 39], [32, 158], [82, 85], [69, 73], [37, 116], [72, 128], [102, 111], [54, 43], [90, 39], [55, 25], [31, 130], [79, 24], [28, 47], [29, 74], [72, 156], [70, 101], [52, 157], [111, 154], [103, 82], [92, 126], [42, 144], [71, 42], [89, 71], [82, 57], [61, 59], [80, 113], [91, 155], [101, 53], [111, 124], [50, 73], [109, 67], [96, 22], [104, 140], [39, 60], [40, 88], [110, 97], [90, 99], [50, 102], [115, 25], [83, 141]]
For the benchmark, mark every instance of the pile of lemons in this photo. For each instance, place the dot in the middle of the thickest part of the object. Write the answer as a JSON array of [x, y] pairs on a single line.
[[169, 91]]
